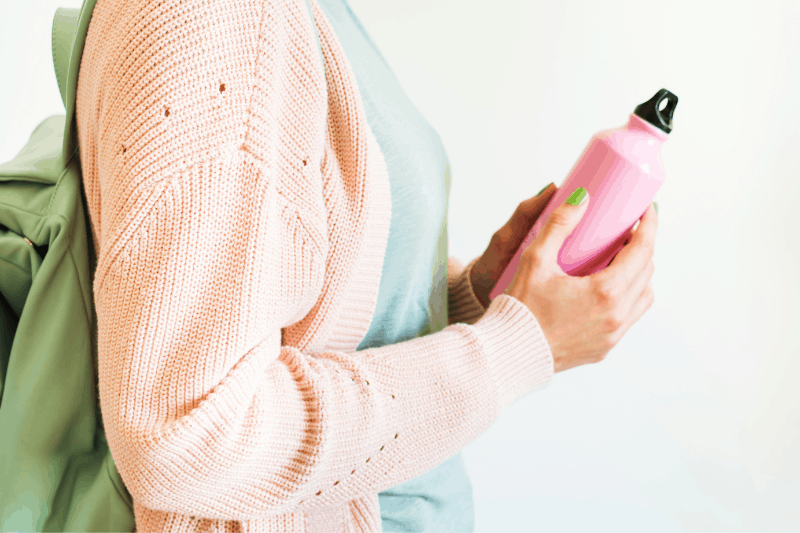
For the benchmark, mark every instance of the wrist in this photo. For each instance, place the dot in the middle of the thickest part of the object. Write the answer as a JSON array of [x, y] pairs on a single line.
[[478, 285]]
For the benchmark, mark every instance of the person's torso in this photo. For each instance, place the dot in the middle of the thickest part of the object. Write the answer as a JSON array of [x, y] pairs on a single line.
[[412, 300]]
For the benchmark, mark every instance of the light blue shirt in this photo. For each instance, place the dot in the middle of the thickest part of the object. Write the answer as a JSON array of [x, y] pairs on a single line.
[[412, 300]]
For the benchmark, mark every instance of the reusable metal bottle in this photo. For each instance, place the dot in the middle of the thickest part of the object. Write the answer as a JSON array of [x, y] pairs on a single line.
[[621, 171]]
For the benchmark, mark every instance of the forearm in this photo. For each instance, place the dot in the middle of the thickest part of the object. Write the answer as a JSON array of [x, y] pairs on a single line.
[[288, 431]]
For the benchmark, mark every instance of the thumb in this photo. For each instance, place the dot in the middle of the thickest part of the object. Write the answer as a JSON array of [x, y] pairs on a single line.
[[558, 226]]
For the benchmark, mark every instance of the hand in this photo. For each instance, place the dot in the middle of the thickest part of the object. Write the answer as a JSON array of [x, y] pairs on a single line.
[[583, 318], [488, 269]]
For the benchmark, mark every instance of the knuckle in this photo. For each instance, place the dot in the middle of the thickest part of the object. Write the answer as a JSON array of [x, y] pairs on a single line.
[[532, 255], [609, 342], [606, 292], [502, 235], [612, 323], [559, 218]]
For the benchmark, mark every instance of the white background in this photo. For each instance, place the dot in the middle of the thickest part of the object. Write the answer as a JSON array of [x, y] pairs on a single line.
[[692, 423]]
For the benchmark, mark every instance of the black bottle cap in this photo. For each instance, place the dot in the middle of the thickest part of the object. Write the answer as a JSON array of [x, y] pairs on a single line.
[[660, 118]]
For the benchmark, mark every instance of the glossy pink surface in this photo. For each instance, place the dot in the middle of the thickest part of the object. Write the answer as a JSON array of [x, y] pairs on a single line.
[[621, 170]]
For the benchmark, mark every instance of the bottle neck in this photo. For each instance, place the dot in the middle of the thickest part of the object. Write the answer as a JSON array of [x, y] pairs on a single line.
[[635, 122]]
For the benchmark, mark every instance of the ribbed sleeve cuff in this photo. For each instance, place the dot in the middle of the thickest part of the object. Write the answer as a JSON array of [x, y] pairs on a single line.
[[462, 303], [519, 356]]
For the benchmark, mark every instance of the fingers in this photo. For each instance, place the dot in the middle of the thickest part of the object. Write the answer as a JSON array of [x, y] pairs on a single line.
[[558, 226], [641, 305], [528, 210], [634, 257], [639, 284], [511, 235]]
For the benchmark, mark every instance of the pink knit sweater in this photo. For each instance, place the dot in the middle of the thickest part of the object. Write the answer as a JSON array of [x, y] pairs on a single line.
[[240, 208]]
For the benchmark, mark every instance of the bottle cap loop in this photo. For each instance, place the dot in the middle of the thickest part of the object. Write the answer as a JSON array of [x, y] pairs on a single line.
[[660, 118]]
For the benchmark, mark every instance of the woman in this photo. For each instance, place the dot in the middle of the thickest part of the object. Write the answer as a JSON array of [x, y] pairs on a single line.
[[281, 335]]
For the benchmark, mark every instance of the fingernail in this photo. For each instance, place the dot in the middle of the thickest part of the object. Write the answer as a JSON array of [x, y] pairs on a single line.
[[577, 197], [540, 192], [655, 206]]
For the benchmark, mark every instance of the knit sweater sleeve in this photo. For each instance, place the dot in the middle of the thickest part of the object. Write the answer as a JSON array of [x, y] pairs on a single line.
[[208, 250], [463, 305]]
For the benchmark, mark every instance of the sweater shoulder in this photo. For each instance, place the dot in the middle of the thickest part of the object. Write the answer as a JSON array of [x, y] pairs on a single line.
[[167, 85]]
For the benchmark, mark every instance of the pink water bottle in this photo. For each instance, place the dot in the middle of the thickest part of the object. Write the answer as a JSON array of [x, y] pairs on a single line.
[[621, 171]]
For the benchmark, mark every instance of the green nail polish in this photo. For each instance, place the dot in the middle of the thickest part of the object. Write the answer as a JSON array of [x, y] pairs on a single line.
[[655, 206], [540, 192], [577, 197]]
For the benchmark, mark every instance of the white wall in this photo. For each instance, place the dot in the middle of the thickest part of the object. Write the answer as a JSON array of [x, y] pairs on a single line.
[[693, 421]]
